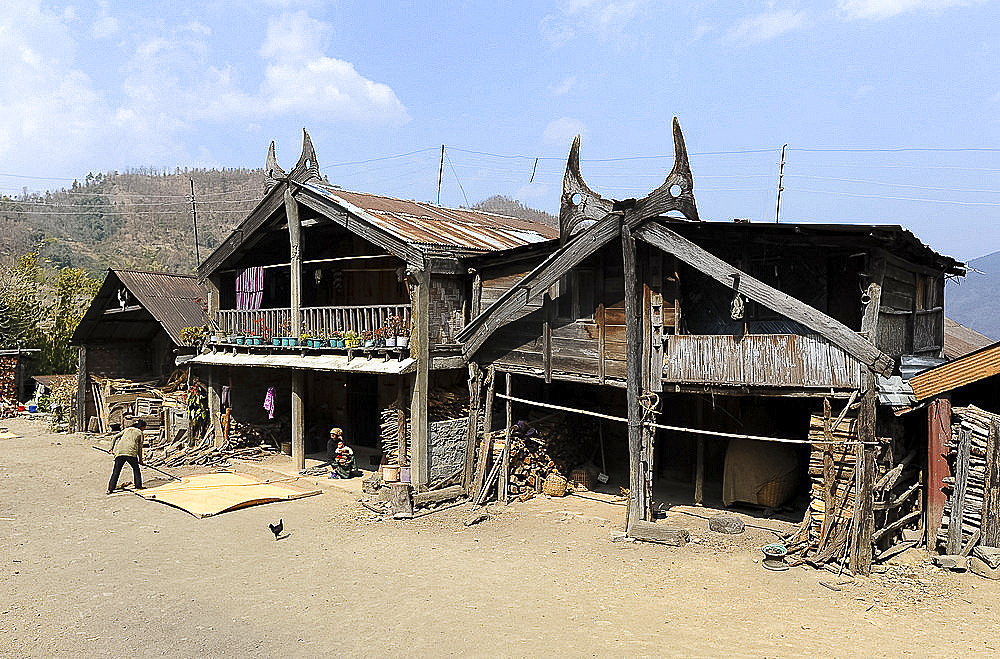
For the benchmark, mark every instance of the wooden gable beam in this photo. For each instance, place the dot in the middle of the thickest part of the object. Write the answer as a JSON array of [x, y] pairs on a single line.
[[359, 222], [243, 233], [833, 330], [511, 305]]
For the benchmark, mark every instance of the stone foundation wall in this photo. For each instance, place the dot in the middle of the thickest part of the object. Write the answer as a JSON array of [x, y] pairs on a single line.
[[447, 447]]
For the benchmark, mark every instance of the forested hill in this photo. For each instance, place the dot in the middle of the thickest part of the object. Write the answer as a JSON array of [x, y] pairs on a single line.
[[139, 219], [142, 219]]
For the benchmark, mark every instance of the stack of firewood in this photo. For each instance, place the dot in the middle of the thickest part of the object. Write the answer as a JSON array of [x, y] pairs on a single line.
[[557, 445], [446, 404], [976, 422], [390, 436]]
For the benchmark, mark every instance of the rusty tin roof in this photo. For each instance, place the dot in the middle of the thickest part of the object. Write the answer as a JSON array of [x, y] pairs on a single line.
[[420, 223]]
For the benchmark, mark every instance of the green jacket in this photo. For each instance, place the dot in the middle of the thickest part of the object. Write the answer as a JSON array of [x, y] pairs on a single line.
[[128, 442]]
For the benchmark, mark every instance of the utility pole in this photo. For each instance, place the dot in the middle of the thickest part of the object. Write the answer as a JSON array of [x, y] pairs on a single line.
[[194, 216], [440, 174], [781, 175]]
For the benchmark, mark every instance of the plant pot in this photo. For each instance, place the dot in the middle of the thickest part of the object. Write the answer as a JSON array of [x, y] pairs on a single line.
[[240, 340], [215, 338], [402, 341], [352, 343], [254, 340], [390, 342], [370, 343], [288, 341], [276, 341]]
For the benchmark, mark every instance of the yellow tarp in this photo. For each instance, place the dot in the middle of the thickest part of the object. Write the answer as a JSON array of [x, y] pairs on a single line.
[[203, 495]]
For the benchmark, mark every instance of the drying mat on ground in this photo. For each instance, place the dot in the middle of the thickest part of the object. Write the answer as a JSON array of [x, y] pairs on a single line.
[[203, 495]]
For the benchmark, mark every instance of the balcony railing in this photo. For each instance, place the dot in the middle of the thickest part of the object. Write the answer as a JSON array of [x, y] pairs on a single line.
[[317, 320]]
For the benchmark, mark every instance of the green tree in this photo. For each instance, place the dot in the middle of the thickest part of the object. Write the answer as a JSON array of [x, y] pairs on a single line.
[[72, 293], [21, 313]]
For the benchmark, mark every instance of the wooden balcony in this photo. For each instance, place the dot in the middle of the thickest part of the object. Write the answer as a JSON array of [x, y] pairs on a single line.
[[317, 320], [764, 360]]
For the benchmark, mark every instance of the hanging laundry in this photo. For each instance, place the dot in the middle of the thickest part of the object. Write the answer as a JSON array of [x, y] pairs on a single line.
[[269, 402], [250, 288], [225, 397]]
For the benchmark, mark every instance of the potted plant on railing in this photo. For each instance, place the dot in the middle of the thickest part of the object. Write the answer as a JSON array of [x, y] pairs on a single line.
[[367, 338], [336, 339], [305, 337], [284, 336], [403, 335], [262, 331], [391, 331], [351, 339]]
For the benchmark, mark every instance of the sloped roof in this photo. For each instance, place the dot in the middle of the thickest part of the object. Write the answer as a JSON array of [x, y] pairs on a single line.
[[965, 370], [419, 223], [960, 340], [172, 301]]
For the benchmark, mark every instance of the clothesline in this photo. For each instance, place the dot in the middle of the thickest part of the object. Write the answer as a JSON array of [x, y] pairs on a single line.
[[696, 431]]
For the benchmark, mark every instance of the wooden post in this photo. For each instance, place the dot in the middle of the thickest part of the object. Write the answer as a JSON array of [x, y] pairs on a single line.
[[990, 524], [82, 388], [546, 337], [419, 424], [957, 516], [504, 488], [864, 479], [295, 265], [938, 436], [402, 455], [214, 406], [485, 447], [633, 352], [475, 394], [400, 500], [298, 420]]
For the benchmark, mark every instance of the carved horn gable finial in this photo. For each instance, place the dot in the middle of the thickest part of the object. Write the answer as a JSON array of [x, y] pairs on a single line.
[[580, 206], [306, 169]]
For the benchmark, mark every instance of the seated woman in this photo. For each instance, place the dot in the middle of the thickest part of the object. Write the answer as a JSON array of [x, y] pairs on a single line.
[[344, 464]]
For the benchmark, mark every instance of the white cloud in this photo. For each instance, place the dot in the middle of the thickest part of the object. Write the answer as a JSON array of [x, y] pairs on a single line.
[[764, 27], [603, 19], [300, 79], [882, 9], [562, 87], [563, 130]]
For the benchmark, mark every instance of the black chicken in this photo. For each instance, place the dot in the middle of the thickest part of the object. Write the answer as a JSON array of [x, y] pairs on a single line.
[[276, 529]]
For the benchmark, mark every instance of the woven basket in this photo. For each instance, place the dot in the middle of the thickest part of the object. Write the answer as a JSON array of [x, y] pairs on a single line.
[[777, 491], [554, 485], [583, 477]]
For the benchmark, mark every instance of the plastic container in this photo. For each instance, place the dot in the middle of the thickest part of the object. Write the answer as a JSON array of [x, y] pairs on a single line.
[[32, 408], [390, 473]]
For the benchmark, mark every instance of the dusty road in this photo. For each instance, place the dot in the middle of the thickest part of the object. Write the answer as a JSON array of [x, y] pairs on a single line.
[[90, 575]]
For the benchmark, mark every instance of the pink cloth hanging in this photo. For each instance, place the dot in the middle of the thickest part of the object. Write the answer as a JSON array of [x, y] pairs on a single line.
[[269, 402], [250, 288]]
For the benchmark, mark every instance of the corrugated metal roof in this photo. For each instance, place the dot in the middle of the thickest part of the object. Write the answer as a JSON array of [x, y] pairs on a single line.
[[419, 223], [172, 301], [964, 370], [175, 301]]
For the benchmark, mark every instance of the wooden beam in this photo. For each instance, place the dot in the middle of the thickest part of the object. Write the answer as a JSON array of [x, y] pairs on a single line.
[[295, 267], [633, 352], [651, 532], [831, 329], [475, 395], [511, 305], [546, 337], [504, 488], [863, 528]]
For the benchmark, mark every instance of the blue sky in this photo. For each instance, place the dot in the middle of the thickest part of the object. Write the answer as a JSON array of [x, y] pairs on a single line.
[[890, 108]]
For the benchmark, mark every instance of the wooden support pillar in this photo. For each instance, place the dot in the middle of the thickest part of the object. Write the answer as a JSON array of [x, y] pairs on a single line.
[[298, 420], [547, 317], [633, 350], [990, 522], [214, 394], [295, 258], [475, 394], [699, 464], [504, 488], [420, 349], [829, 480], [485, 444], [864, 481], [402, 459], [938, 436], [82, 389], [400, 500]]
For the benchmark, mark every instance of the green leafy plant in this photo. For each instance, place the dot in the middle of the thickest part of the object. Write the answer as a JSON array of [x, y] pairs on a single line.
[[196, 406], [192, 336]]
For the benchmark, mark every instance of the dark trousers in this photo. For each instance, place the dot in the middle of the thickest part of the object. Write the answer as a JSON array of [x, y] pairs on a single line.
[[119, 461]]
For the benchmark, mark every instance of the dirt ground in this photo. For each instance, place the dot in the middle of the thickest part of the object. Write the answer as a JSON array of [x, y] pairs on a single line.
[[94, 575]]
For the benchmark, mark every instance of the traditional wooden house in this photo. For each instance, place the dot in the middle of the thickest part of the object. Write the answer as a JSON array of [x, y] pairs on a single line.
[[704, 352], [312, 272], [132, 330]]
